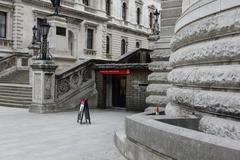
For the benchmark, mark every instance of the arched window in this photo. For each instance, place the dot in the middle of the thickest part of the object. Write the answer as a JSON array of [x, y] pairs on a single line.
[[124, 11], [137, 45], [123, 46], [108, 45], [108, 7], [138, 16], [151, 20]]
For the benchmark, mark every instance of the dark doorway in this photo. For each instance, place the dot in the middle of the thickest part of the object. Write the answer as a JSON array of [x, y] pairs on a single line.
[[119, 91]]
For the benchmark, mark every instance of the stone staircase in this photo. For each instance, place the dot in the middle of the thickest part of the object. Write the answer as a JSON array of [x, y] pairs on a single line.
[[15, 90]]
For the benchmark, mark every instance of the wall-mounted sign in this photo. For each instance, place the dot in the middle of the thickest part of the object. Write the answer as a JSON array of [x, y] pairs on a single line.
[[115, 71]]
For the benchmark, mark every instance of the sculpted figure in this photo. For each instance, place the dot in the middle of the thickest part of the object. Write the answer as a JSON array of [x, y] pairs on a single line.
[[56, 5]]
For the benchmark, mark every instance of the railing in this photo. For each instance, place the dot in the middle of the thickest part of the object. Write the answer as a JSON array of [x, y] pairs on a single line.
[[90, 52], [75, 82], [6, 43], [7, 63]]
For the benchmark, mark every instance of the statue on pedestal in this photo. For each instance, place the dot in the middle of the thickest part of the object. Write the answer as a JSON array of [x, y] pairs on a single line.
[[56, 5]]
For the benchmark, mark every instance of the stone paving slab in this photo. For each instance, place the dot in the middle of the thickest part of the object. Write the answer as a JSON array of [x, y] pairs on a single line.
[[57, 136]]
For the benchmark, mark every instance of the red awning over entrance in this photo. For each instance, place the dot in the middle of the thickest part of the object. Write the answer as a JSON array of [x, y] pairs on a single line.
[[115, 71]]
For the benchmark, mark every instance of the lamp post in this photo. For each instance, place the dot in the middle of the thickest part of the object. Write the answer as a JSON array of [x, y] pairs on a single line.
[[44, 47], [156, 28]]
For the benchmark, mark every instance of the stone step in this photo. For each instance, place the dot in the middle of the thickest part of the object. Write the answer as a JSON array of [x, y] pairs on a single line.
[[4, 100], [15, 91], [158, 77], [158, 89], [16, 94], [14, 105], [16, 98], [159, 66], [18, 88], [171, 4], [157, 100], [160, 54], [16, 77]]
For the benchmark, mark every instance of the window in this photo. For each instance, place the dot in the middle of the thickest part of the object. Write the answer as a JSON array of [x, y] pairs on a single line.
[[124, 11], [137, 45], [39, 31], [138, 16], [3, 24], [108, 7], [86, 2], [108, 45], [90, 38], [60, 31], [123, 46], [151, 20]]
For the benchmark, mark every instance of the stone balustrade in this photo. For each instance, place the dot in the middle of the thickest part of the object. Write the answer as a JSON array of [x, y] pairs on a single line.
[[90, 52], [6, 43], [74, 83]]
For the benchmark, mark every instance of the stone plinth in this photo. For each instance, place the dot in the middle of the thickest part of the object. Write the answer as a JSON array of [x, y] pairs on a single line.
[[43, 86]]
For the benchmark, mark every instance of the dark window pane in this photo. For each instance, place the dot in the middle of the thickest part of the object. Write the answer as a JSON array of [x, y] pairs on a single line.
[[138, 15], [151, 20], [60, 31], [39, 31], [137, 44], [124, 11], [123, 46], [90, 38], [3, 24], [108, 44], [108, 7]]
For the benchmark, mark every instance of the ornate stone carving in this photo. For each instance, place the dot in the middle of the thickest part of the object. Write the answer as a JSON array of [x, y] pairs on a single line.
[[63, 86]]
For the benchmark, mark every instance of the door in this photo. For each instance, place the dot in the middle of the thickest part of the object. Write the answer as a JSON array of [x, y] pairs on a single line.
[[119, 84]]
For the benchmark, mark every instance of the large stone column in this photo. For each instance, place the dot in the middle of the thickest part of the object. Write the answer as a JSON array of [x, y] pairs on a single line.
[[206, 70], [158, 83], [43, 86]]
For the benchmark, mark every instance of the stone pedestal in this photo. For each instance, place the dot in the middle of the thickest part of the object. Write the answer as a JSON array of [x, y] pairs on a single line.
[[43, 86]]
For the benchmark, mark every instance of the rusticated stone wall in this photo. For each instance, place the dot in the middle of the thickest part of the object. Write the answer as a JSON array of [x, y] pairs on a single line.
[[158, 82], [206, 70]]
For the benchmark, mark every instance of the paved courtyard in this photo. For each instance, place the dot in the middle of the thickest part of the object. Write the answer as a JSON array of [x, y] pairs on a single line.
[[57, 136]]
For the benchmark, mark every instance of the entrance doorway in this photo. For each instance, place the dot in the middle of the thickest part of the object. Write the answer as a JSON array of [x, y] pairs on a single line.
[[119, 84]]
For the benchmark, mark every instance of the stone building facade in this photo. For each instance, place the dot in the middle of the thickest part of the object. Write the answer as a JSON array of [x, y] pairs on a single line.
[[92, 29], [201, 120]]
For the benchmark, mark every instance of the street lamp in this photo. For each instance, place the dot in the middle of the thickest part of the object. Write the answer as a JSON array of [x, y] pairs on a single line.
[[45, 30], [156, 28], [34, 39]]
